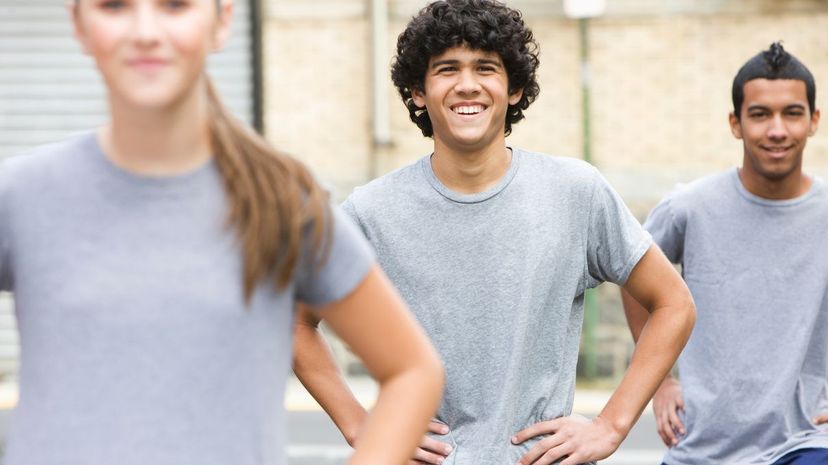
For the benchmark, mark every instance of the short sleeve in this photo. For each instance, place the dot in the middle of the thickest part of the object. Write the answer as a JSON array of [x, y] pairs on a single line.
[[350, 210], [346, 265], [667, 230], [615, 239], [5, 248]]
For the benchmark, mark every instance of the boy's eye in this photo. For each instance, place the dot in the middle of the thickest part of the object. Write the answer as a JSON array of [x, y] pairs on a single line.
[[175, 4], [446, 69], [113, 5]]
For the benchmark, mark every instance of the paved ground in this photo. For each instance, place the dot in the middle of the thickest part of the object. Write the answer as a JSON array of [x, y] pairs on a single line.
[[313, 439]]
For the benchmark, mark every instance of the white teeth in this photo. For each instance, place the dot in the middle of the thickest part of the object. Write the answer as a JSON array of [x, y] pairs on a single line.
[[469, 110]]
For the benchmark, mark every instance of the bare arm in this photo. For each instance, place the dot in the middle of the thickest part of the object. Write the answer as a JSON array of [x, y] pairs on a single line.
[[659, 289], [668, 399], [316, 369], [637, 315], [656, 284], [314, 365], [375, 323]]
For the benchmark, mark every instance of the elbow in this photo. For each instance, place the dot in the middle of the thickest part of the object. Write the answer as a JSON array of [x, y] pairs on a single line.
[[434, 371], [422, 369], [428, 375], [677, 315], [688, 316]]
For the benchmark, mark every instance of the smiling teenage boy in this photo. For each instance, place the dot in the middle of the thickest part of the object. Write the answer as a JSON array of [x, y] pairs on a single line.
[[754, 376], [493, 248]]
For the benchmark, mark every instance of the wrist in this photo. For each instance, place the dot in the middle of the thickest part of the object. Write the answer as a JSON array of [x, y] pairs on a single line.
[[618, 427], [668, 381], [351, 431], [350, 438], [351, 434]]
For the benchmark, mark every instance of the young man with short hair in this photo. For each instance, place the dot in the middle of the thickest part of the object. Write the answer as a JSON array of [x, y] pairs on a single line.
[[493, 248], [754, 376]]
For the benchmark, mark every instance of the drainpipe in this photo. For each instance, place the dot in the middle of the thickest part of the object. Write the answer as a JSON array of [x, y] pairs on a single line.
[[591, 297], [380, 63], [582, 10]]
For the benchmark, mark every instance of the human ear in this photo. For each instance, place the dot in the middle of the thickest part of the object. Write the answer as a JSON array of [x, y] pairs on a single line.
[[515, 97], [814, 122], [735, 125], [418, 97]]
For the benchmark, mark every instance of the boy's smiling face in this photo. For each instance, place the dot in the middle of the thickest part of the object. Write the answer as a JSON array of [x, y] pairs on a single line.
[[775, 124], [466, 94]]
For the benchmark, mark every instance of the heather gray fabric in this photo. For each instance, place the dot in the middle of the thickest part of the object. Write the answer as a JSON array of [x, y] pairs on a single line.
[[497, 279], [756, 367], [136, 344]]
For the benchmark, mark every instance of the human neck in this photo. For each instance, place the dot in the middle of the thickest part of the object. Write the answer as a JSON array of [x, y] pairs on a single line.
[[159, 142], [790, 187], [470, 172]]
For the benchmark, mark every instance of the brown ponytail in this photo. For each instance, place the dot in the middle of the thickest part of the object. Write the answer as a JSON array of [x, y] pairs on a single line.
[[273, 198]]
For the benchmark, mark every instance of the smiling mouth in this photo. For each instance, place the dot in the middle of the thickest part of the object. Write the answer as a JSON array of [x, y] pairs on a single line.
[[468, 109], [776, 149], [147, 64]]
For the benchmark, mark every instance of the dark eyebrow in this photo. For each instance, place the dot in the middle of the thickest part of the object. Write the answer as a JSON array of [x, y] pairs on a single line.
[[482, 61], [793, 106], [445, 62], [489, 61], [757, 107]]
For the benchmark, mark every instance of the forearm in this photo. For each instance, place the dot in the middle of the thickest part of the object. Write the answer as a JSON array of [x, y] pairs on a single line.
[[374, 321], [659, 344], [315, 368], [637, 317]]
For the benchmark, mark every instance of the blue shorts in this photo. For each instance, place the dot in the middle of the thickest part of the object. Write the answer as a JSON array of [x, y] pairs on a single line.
[[813, 456], [804, 457]]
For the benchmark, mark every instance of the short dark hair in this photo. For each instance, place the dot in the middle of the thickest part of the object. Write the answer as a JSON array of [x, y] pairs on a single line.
[[479, 24], [773, 63]]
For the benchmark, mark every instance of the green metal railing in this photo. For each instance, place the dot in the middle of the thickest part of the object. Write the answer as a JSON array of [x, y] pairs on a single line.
[[590, 346]]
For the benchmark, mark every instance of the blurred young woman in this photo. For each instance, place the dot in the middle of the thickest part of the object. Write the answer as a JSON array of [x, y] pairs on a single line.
[[156, 264]]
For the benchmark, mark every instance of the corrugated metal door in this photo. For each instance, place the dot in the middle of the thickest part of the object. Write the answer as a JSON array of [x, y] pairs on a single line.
[[50, 90]]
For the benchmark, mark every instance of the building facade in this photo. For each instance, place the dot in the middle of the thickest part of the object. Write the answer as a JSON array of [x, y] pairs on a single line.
[[659, 74]]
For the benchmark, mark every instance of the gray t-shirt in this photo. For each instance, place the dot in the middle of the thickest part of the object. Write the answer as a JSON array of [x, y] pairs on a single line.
[[756, 367], [136, 345], [497, 279]]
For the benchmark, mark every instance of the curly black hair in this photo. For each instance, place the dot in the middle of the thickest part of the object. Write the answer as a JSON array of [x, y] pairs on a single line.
[[773, 63], [478, 24]]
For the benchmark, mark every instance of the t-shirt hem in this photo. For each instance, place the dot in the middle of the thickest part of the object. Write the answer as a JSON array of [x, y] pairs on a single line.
[[813, 443], [639, 251], [637, 254]]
